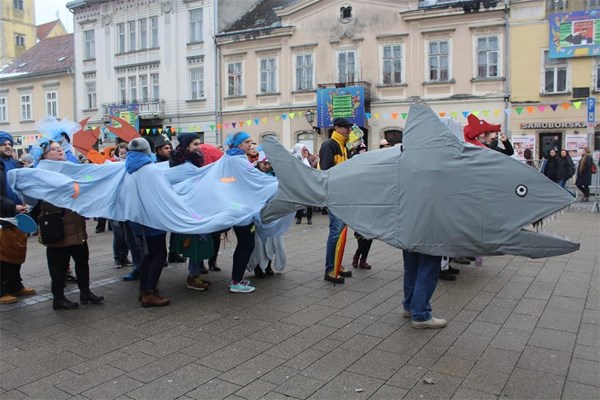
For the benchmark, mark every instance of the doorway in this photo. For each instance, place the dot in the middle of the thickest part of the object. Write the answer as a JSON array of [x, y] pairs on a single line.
[[549, 141]]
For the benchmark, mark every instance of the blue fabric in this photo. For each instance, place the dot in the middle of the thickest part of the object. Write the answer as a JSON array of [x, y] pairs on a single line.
[[10, 164], [421, 273], [136, 160], [235, 139], [6, 137], [183, 199], [335, 229], [236, 151]]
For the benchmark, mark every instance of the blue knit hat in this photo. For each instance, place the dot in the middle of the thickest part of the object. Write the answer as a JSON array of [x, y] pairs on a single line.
[[6, 137], [234, 140]]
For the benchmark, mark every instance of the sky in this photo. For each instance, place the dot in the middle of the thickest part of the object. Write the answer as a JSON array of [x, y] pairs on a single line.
[[45, 11]]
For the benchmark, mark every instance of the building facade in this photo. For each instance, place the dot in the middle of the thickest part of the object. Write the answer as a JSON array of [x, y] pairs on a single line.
[[17, 29], [149, 62], [301, 57], [549, 93], [37, 84]]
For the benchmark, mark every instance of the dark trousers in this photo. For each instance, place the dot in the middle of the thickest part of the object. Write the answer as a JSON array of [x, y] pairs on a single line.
[[243, 250], [364, 246], [309, 213], [155, 255], [216, 238], [585, 189], [58, 262], [10, 277], [120, 244], [137, 254]]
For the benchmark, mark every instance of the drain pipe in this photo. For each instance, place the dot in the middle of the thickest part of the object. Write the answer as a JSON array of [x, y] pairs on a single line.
[[507, 69]]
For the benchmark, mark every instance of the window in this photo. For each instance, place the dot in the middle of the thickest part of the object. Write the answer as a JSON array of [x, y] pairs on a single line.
[[144, 87], [555, 74], [346, 13], [392, 64], [154, 32], [196, 25], [132, 36], [90, 92], [268, 75], [89, 52], [487, 57], [304, 72], [3, 110], [121, 38], [155, 86], [133, 88], [438, 52], [346, 66], [18, 4], [26, 107], [197, 82], [51, 104], [143, 33], [19, 40], [122, 90], [234, 79]]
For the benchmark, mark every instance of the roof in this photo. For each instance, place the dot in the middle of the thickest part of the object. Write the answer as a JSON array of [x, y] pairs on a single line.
[[261, 16], [54, 54], [43, 30]]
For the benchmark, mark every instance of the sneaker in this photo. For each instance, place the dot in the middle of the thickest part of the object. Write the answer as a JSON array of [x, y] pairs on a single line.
[[117, 264], [334, 279], [447, 276], [126, 262], [406, 314], [239, 287], [345, 273], [433, 323], [454, 271], [132, 276], [8, 299], [24, 292], [196, 283]]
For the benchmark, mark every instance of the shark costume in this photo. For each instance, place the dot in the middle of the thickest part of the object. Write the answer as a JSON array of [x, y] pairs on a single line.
[[437, 196]]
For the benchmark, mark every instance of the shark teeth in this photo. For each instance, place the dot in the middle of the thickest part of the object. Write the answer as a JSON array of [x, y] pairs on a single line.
[[541, 223]]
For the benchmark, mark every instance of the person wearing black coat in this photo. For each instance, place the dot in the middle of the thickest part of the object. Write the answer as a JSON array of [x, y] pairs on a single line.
[[565, 170], [551, 168], [584, 173]]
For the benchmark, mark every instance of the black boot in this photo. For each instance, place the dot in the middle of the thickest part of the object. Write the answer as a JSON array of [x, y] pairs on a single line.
[[89, 297], [213, 266], [64, 304], [258, 272], [298, 221], [176, 258], [269, 270]]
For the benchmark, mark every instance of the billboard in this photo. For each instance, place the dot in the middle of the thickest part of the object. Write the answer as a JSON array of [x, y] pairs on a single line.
[[128, 112], [575, 34], [347, 102]]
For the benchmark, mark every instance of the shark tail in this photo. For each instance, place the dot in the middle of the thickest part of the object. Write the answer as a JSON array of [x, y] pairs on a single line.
[[298, 185]]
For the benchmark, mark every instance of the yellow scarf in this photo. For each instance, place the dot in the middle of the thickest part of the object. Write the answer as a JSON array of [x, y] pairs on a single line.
[[341, 140]]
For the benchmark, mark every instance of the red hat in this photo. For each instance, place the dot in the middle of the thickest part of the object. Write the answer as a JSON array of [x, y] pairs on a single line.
[[476, 127]]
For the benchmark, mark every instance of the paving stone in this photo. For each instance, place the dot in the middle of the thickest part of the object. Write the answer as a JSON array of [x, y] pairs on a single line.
[[88, 380], [466, 316], [483, 380], [378, 364], [578, 391], [560, 320], [233, 355], [133, 361], [572, 305], [112, 388], [51, 393], [380, 330], [444, 387], [531, 306], [467, 394], [214, 389], [304, 359], [149, 372], [41, 385], [407, 376], [252, 369], [299, 386], [545, 360], [482, 328], [499, 360], [280, 375], [540, 291], [331, 364], [588, 335], [387, 392], [585, 371], [591, 353], [529, 384], [552, 339], [591, 316], [348, 385], [511, 339], [255, 390], [453, 366], [523, 322]]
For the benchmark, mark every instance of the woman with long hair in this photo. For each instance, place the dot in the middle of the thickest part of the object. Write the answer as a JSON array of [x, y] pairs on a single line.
[[584, 173]]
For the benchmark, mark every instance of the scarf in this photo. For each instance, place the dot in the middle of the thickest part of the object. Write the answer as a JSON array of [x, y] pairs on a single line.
[[136, 160], [341, 140]]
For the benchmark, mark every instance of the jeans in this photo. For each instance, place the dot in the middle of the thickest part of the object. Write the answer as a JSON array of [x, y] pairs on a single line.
[[137, 254], [421, 273], [562, 184], [335, 229], [120, 248], [195, 268]]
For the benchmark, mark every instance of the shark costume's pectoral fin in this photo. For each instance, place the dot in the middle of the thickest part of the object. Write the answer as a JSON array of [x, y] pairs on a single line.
[[298, 184]]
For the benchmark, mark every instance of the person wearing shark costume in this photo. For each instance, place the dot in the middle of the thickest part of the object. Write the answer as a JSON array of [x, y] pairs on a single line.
[[433, 197]]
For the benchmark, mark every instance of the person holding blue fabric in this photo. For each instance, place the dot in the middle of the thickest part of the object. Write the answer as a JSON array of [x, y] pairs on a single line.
[[151, 240], [240, 144]]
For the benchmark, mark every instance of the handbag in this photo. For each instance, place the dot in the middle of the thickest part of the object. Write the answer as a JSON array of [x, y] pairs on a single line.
[[593, 169], [52, 228]]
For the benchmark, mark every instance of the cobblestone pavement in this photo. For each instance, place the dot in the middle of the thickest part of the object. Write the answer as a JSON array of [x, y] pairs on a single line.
[[518, 329]]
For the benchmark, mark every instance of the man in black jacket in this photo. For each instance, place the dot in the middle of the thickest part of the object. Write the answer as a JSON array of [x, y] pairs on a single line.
[[13, 255]]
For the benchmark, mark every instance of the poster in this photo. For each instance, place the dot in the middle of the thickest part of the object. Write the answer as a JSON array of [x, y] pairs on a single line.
[[574, 145], [522, 142], [574, 34], [347, 102]]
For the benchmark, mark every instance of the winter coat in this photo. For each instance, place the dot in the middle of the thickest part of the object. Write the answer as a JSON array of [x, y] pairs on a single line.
[[584, 171], [566, 168], [73, 224], [551, 169]]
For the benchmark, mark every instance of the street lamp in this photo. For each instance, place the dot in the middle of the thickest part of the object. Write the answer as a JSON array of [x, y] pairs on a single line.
[[310, 116]]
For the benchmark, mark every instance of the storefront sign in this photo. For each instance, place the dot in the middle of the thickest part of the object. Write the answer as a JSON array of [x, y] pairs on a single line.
[[553, 125]]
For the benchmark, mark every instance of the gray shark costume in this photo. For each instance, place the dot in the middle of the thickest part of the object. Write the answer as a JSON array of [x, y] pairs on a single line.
[[437, 196]]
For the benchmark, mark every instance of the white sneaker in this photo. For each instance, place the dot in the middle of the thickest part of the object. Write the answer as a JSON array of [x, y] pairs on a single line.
[[433, 323]]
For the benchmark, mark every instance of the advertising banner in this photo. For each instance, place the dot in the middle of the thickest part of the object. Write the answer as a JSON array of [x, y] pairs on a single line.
[[575, 34], [522, 142], [128, 112], [574, 145], [347, 102]]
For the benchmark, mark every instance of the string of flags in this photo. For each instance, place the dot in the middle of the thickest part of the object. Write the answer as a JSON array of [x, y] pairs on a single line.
[[519, 110]]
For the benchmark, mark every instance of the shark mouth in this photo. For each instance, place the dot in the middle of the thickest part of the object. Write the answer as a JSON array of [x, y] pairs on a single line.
[[541, 223]]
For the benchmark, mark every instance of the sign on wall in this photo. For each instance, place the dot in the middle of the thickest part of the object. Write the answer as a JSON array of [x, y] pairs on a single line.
[[574, 145], [128, 112], [575, 34], [522, 142], [347, 102]]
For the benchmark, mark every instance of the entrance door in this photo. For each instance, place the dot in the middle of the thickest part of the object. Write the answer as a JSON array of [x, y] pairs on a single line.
[[549, 141]]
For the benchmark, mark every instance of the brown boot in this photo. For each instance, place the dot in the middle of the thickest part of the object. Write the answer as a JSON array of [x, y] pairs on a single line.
[[150, 299], [363, 265], [355, 261]]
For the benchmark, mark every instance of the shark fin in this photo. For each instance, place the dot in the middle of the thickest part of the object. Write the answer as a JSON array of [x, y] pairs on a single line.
[[425, 129], [298, 184]]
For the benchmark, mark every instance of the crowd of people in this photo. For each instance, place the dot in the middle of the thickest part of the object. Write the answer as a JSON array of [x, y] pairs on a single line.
[[148, 248]]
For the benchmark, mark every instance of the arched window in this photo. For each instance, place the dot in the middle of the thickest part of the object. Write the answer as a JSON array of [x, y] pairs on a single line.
[[346, 13], [307, 138], [268, 133], [393, 136]]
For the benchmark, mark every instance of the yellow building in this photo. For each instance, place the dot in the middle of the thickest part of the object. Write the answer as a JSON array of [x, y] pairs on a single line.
[[17, 28], [548, 94]]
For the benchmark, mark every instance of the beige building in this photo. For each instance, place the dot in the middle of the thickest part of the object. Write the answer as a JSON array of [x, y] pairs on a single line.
[[17, 29], [35, 85], [373, 56], [549, 94]]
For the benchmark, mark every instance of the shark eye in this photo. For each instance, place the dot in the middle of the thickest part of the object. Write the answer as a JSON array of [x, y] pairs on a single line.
[[521, 190]]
